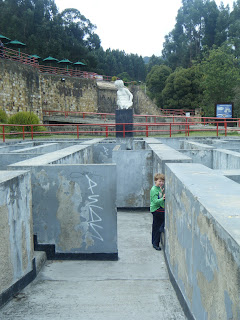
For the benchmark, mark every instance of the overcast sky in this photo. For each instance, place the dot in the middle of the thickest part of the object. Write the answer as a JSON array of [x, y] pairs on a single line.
[[131, 25]]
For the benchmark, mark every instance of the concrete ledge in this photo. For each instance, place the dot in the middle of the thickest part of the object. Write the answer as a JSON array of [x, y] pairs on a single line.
[[231, 174]]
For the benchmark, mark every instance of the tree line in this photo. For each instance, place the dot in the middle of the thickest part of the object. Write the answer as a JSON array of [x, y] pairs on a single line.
[[199, 65], [200, 62]]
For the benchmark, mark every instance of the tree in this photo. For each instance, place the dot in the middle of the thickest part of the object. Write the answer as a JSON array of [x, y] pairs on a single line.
[[221, 76], [183, 89], [156, 80]]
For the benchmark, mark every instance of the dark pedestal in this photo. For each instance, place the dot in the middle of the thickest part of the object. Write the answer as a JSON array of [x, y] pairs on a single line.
[[124, 116]]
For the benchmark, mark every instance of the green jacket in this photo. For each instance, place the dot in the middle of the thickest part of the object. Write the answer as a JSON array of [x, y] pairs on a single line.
[[155, 201]]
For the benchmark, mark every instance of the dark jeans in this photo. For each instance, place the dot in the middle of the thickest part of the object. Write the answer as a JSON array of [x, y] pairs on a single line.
[[157, 226]]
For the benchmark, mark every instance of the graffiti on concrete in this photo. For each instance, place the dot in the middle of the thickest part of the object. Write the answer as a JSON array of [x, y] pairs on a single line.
[[94, 210]]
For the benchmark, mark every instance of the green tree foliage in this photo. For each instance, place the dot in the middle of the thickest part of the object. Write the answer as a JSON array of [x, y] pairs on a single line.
[[115, 62], [221, 76], [183, 89], [156, 80], [203, 50]]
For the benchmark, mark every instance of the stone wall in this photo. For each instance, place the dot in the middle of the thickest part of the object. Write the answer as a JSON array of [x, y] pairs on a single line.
[[23, 88]]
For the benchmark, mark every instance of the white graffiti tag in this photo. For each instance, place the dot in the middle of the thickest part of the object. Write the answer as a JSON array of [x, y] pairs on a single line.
[[105, 150], [93, 207]]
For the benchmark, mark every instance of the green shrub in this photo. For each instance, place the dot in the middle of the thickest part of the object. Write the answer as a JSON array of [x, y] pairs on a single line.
[[3, 116], [25, 118]]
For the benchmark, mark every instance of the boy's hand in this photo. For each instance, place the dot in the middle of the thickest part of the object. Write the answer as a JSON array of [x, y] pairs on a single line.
[[164, 196]]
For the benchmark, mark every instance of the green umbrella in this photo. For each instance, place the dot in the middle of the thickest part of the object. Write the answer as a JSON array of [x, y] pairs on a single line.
[[79, 63], [4, 39], [50, 59], [16, 44], [66, 62], [35, 56]]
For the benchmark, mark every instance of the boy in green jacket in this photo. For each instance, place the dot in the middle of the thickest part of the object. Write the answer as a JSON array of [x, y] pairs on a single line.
[[157, 199]]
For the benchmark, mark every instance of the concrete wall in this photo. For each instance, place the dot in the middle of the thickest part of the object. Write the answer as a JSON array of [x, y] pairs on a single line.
[[44, 148], [231, 174], [202, 239], [73, 213], [9, 158], [72, 208], [134, 177], [204, 157], [16, 235], [163, 154], [226, 159]]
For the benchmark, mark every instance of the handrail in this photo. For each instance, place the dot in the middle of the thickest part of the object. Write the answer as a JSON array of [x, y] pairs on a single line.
[[104, 115], [110, 128]]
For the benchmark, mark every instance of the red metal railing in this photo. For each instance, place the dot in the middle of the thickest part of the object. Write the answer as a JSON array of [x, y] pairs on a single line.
[[105, 129], [24, 58]]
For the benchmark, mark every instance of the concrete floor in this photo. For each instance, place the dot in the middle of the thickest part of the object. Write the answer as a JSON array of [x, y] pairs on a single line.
[[135, 287]]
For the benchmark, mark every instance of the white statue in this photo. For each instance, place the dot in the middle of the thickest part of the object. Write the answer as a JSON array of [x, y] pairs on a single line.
[[124, 96]]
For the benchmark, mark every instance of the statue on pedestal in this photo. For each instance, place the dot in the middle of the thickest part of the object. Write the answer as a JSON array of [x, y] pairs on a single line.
[[124, 96]]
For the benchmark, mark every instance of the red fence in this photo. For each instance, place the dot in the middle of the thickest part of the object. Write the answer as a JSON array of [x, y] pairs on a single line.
[[106, 129]]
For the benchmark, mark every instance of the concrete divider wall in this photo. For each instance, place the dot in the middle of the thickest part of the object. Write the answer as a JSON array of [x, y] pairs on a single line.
[[74, 154], [226, 159], [204, 157], [202, 239], [186, 144], [163, 154], [44, 148], [231, 174], [74, 209], [16, 237], [134, 177], [8, 158], [102, 152]]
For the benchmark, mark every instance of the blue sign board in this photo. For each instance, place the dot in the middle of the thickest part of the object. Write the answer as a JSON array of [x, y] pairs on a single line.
[[224, 110]]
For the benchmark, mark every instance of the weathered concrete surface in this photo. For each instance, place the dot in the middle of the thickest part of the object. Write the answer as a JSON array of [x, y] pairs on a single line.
[[187, 144], [9, 158], [16, 238], [203, 156], [74, 207], [136, 287], [203, 239], [102, 152], [74, 154], [134, 177], [44, 148], [226, 159]]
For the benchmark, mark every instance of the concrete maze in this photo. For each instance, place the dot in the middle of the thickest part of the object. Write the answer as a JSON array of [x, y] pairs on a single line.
[[75, 217]]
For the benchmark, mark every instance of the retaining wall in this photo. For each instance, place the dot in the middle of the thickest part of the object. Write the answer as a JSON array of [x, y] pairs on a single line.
[[202, 239], [17, 266]]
